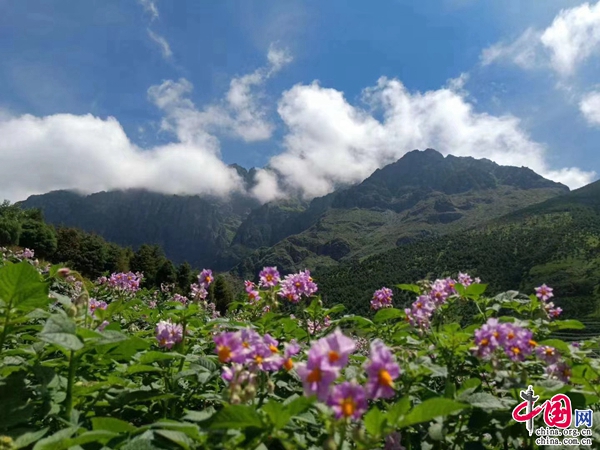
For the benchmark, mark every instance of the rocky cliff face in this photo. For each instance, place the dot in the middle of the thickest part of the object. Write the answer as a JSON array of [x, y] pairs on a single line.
[[423, 193]]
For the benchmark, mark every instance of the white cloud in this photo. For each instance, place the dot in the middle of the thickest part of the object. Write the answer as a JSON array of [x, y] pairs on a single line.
[[150, 8], [331, 142], [240, 114], [573, 36], [90, 154], [65, 151], [165, 48], [571, 39], [590, 107], [524, 52]]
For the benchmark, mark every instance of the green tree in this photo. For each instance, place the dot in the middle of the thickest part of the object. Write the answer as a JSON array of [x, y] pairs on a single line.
[[39, 237], [92, 256], [223, 295], [166, 273], [148, 260], [184, 277], [10, 223]]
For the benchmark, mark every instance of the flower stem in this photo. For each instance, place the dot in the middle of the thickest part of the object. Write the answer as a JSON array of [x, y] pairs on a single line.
[[5, 328], [70, 381]]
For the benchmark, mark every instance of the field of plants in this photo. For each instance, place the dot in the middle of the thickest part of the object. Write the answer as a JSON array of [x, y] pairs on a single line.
[[106, 364]]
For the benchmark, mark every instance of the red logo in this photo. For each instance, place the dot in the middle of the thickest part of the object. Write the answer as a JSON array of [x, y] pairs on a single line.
[[557, 410]]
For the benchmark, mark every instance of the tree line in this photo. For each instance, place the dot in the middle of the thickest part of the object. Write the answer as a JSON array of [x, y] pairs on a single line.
[[92, 256]]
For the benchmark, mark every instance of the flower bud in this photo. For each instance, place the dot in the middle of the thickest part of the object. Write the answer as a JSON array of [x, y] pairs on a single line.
[[235, 400], [72, 311], [6, 443], [330, 444], [64, 272]]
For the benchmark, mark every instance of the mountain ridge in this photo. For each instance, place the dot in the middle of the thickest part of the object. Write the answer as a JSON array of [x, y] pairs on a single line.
[[423, 193]]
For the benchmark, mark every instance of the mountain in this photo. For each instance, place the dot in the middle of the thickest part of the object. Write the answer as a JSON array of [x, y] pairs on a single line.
[[188, 228], [422, 194], [556, 242]]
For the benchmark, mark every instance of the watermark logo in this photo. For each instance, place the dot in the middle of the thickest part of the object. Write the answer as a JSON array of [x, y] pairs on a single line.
[[558, 417]]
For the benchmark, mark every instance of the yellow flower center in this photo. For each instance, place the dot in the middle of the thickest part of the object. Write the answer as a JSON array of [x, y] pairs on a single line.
[[224, 353], [516, 350], [533, 343], [484, 342], [288, 364], [333, 356], [258, 359], [348, 406], [314, 376], [385, 378], [273, 349]]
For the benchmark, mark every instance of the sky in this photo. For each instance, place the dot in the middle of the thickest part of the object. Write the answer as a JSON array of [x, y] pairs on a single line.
[[164, 95]]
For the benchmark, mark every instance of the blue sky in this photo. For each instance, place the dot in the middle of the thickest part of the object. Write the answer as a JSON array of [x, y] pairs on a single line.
[[64, 60]]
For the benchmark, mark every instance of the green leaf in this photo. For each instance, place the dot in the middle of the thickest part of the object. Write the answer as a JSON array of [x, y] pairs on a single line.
[[335, 310], [29, 438], [277, 413], [236, 417], [22, 287], [142, 368], [60, 330], [482, 400], [150, 357], [101, 436], [387, 314], [475, 290], [430, 409], [398, 409], [199, 416], [112, 424], [178, 437], [567, 325], [374, 421], [299, 405], [410, 288], [53, 442]]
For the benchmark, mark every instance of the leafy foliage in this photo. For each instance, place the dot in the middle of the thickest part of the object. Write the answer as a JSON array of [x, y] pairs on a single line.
[[78, 373]]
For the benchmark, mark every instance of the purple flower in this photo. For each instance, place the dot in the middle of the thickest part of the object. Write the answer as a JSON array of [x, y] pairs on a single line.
[[205, 278], [439, 292], [547, 354], [382, 369], [465, 279], [334, 349], [290, 349], [103, 325], [168, 333], [126, 282], [269, 277], [486, 338], [560, 371], [253, 293], [382, 298], [27, 254], [348, 400], [315, 380], [552, 311], [419, 315], [544, 293], [180, 298], [94, 304], [229, 347], [152, 304], [198, 292], [516, 342], [394, 442], [294, 286]]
